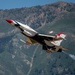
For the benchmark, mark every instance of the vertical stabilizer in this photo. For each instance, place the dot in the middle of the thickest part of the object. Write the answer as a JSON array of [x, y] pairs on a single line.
[[60, 35]]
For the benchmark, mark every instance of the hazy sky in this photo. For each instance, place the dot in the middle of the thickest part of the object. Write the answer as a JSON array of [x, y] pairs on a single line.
[[9, 4]]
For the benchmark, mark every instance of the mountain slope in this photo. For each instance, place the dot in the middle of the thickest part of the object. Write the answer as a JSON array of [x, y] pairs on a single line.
[[59, 63], [16, 58]]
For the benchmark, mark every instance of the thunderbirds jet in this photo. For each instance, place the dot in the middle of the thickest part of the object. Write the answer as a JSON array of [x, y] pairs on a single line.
[[49, 43]]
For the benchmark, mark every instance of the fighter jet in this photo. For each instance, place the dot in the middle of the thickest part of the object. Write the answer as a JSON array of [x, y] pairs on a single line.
[[49, 43]]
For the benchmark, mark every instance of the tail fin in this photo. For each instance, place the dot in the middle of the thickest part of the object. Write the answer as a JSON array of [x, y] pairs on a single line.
[[60, 35]]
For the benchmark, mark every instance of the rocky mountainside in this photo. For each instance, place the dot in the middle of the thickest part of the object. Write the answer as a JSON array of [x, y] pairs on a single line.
[[16, 58], [37, 16]]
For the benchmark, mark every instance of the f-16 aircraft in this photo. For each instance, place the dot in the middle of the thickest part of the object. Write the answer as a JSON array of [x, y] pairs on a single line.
[[49, 43]]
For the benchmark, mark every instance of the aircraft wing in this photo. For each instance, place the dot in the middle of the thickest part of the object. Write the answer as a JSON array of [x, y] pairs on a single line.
[[30, 41], [49, 38]]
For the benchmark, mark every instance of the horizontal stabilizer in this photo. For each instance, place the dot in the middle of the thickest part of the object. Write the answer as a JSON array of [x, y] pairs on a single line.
[[57, 39], [64, 48]]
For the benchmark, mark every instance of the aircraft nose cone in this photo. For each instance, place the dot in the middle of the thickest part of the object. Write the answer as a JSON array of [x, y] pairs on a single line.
[[9, 21]]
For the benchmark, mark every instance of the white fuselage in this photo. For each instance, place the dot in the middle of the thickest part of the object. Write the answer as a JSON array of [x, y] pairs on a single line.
[[26, 29]]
